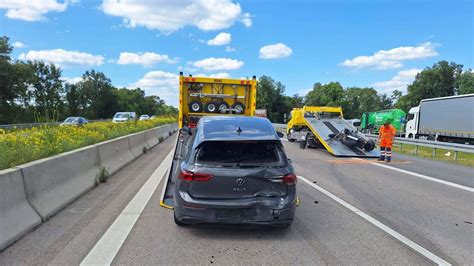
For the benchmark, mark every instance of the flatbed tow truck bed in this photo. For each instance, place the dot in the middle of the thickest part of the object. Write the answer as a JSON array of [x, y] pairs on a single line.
[[328, 127], [322, 128], [167, 194]]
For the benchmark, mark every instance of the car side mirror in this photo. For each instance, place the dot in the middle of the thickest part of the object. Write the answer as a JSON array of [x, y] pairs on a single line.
[[185, 130], [281, 135], [289, 160]]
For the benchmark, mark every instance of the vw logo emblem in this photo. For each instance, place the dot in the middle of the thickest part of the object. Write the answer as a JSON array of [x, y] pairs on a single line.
[[240, 181]]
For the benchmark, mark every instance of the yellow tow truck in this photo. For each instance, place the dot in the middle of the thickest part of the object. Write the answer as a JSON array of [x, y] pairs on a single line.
[[325, 127], [202, 96]]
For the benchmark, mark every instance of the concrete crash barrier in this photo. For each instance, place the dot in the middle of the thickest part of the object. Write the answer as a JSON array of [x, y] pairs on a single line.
[[160, 132], [151, 138], [137, 143], [115, 154], [17, 217], [52, 183], [166, 130]]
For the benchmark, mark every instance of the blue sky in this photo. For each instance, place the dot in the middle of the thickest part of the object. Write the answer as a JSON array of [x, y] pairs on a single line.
[[382, 44]]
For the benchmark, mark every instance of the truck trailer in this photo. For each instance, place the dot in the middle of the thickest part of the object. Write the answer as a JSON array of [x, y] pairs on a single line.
[[203, 96], [448, 119], [372, 121]]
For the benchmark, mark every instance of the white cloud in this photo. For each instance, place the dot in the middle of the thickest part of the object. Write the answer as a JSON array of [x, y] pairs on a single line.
[[147, 59], [222, 75], [72, 80], [31, 10], [393, 58], [247, 20], [273, 51], [63, 58], [18, 45], [398, 82], [212, 64], [222, 38], [160, 83], [169, 16], [229, 49], [304, 92]]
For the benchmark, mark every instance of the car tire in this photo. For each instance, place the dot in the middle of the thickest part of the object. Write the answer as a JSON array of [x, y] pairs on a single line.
[[221, 107], [369, 145], [303, 144], [238, 107], [195, 107], [349, 142], [211, 107]]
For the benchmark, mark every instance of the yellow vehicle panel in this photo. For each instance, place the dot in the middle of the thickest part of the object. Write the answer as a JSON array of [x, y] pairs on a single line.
[[297, 114], [198, 94]]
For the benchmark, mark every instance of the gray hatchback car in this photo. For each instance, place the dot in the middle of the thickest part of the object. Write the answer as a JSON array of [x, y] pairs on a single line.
[[234, 171]]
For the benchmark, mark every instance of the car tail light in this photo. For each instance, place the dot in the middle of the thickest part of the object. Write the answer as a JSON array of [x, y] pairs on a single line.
[[190, 176], [290, 179]]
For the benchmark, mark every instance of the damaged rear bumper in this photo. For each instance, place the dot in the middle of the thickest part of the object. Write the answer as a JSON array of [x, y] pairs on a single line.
[[276, 211]]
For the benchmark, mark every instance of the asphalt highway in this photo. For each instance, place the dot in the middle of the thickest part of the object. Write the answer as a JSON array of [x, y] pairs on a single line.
[[352, 211]]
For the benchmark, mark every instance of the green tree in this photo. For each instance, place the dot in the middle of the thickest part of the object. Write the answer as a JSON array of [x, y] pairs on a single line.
[[465, 82], [330, 94], [359, 100], [296, 101], [436, 81], [72, 99], [46, 90], [270, 96], [96, 96], [7, 93]]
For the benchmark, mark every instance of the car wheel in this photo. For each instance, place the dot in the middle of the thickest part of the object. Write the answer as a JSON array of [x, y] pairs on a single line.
[[222, 107], [195, 107], [238, 107], [211, 107], [303, 144], [369, 145]]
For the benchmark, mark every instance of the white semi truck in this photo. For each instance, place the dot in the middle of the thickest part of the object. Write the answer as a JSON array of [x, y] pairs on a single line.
[[449, 119]]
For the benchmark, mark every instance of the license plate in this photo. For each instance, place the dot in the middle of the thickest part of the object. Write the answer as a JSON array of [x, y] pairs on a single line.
[[235, 214]]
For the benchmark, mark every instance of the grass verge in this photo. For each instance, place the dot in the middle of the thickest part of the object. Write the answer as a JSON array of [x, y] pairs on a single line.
[[441, 154], [25, 145]]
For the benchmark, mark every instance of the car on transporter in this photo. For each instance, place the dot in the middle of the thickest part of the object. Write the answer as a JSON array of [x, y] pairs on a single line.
[[234, 171]]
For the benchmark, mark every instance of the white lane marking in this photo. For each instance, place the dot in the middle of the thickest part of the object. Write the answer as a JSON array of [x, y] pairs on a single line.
[[424, 177], [109, 244], [380, 225]]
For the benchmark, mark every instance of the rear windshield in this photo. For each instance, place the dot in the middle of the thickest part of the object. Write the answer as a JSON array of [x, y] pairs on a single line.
[[232, 153], [71, 119], [122, 115]]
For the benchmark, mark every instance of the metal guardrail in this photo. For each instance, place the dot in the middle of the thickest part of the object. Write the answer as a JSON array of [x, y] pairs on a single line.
[[30, 125], [435, 145], [280, 127], [432, 144]]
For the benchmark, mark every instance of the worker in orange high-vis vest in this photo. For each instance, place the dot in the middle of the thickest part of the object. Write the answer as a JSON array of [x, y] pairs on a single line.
[[386, 137]]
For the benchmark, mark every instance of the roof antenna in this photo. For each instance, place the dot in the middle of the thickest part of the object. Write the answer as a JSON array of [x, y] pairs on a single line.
[[239, 130]]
